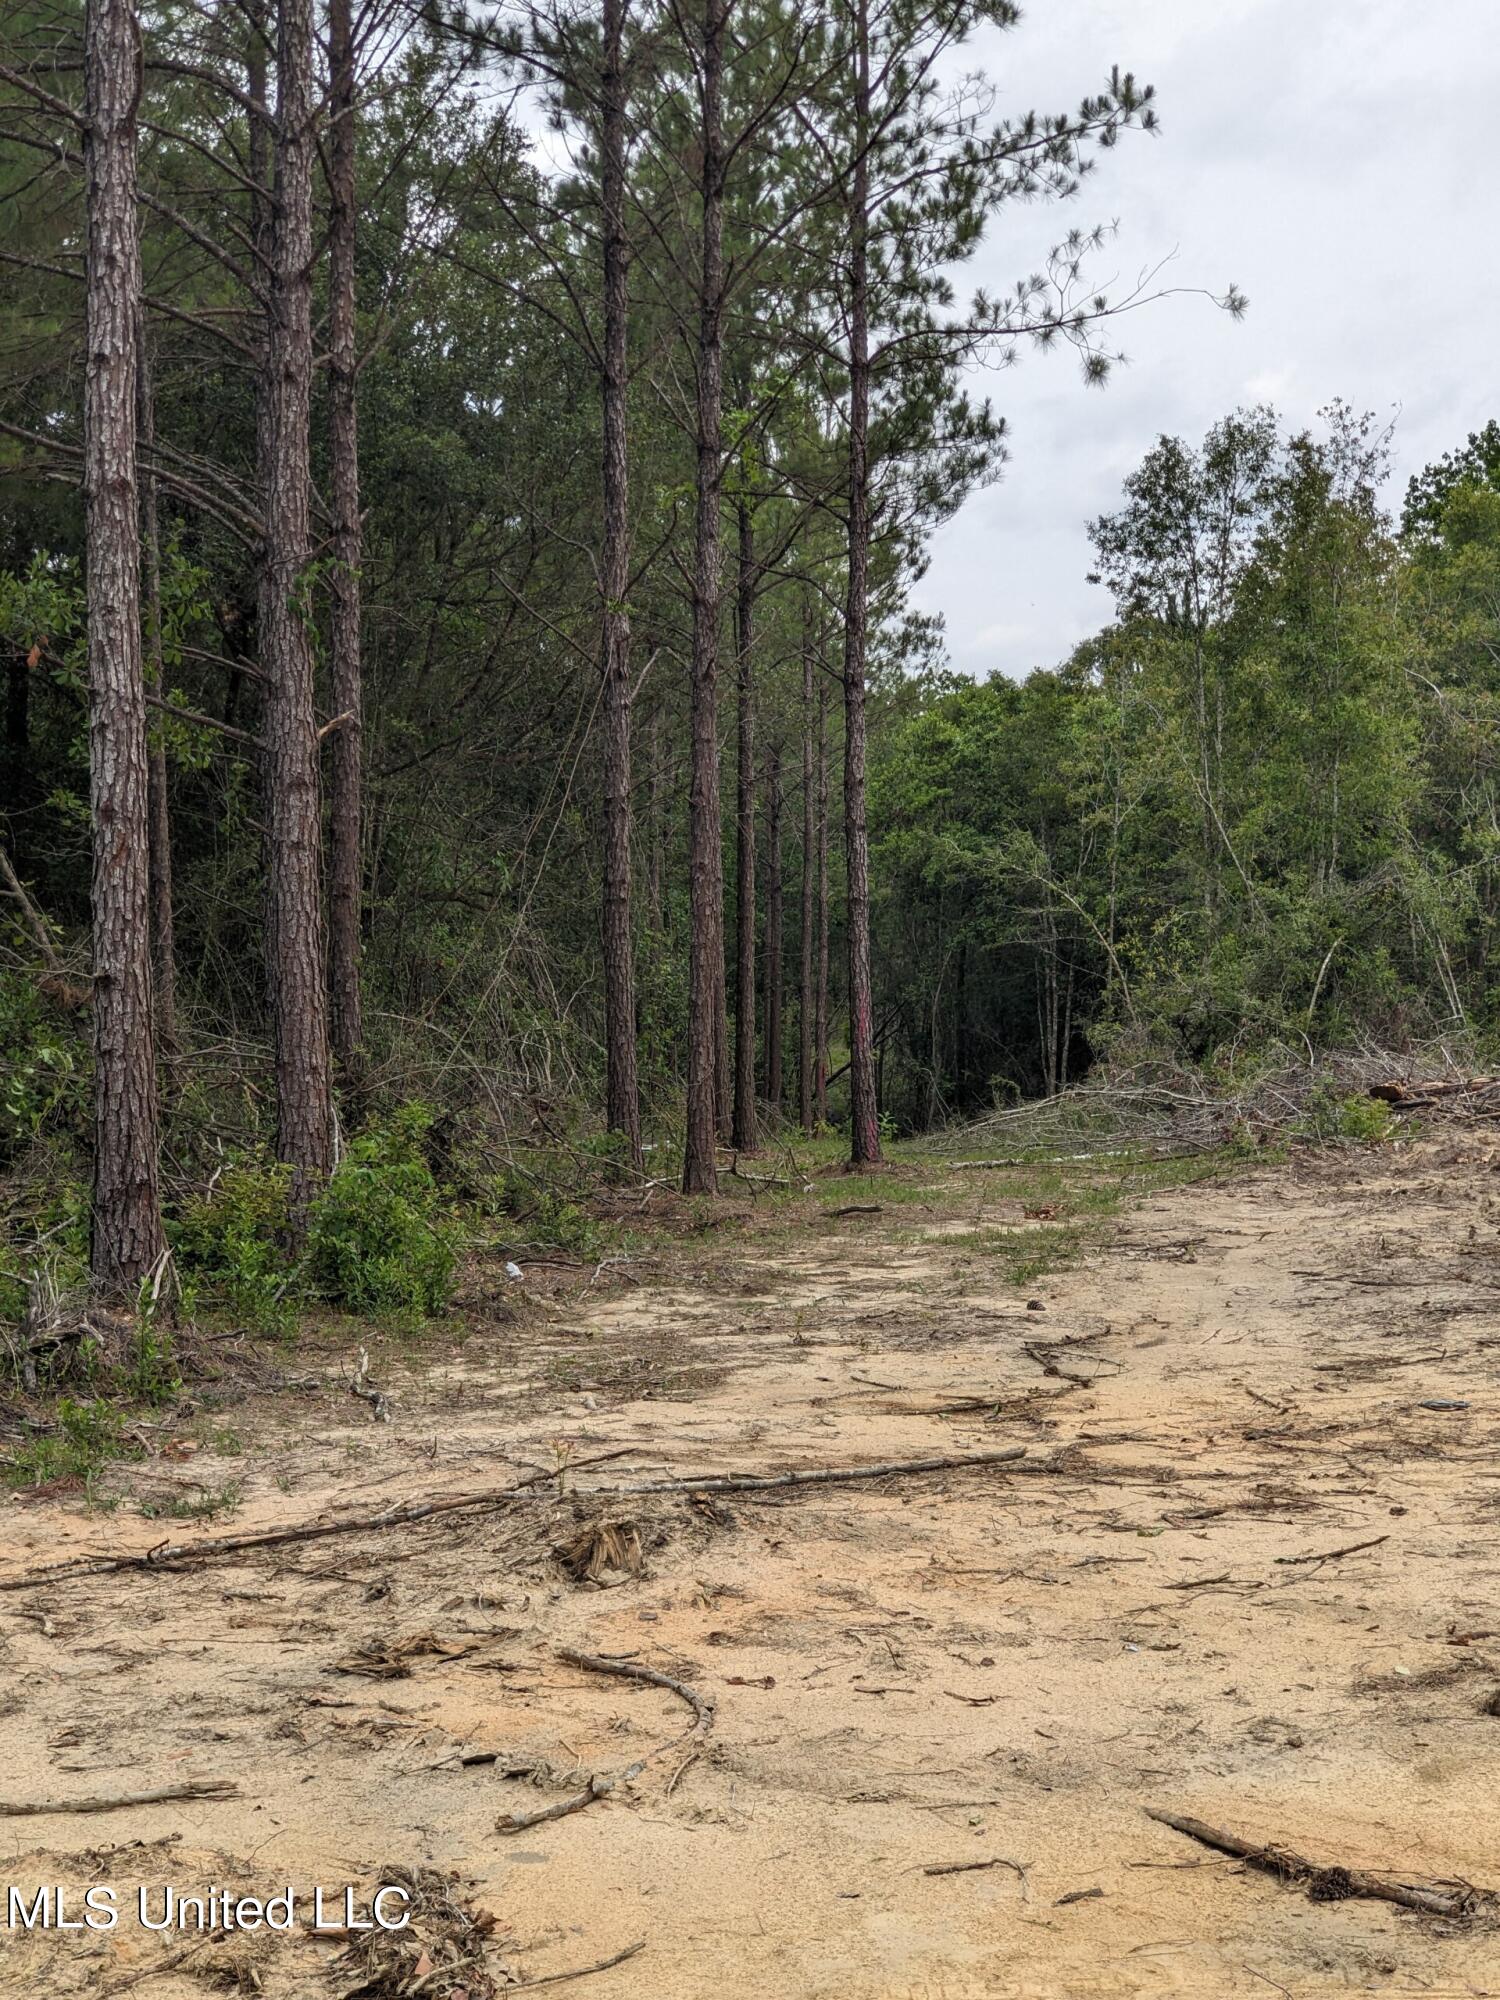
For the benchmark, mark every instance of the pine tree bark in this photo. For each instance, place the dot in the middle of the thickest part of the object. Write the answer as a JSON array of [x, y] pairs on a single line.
[[622, 1096], [806, 1041], [864, 1120], [345, 773], [707, 1038], [159, 823], [773, 928], [745, 1134], [289, 762], [126, 1237], [821, 1008]]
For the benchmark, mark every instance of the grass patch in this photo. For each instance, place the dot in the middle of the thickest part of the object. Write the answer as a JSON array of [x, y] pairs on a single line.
[[1070, 1201], [887, 1189], [200, 1503], [86, 1438]]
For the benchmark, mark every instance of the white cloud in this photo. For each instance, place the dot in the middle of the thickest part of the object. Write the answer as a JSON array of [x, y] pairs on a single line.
[[1336, 161]]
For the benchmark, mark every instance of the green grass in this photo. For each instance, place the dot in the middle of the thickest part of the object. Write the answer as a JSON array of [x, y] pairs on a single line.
[[889, 1190], [88, 1436], [201, 1503], [1082, 1195]]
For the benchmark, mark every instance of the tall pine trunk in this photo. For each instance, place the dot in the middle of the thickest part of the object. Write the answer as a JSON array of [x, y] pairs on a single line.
[[821, 1002], [864, 1121], [345, 802], [622, 1096], [126, 1238], [294, 915], [159, 836], [746, 1136], [707, 1040], [806, 1042], [773, 928]]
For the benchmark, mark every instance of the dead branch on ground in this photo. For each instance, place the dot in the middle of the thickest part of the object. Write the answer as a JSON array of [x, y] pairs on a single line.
[[1326, 1884], [207, 1788], [600, 1787]]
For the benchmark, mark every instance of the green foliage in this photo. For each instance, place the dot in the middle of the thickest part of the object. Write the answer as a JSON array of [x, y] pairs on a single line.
[[150, 1374], [378, 1239], [1332, 1116], [538, 1215], [43, 1073], [1261, 806], [229, 1246], [86, 1436], [379, 1236], [199, 1503]]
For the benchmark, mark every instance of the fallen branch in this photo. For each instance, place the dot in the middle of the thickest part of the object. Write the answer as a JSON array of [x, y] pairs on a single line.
[[1324, 1885], [208, 1788], [1017, 1868], [581, 1971], [30, 915], [702, 1706], [173, 1555], [157, 1971], [1332, 1555], [746, 1482]]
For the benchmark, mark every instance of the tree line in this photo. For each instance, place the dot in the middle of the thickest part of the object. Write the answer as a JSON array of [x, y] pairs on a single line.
[[1260, 805], [435, 443]]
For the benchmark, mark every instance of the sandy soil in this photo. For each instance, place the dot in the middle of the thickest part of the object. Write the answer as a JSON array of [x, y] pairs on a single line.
[[999, 1665]]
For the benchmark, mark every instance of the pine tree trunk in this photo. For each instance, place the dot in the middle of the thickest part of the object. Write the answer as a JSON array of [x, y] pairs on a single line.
[[806, 1041], [345, 782], [127, 1237], [864, 1121], [821, 1006], [294, 916], [622, 1097], [745, 1134], [159, 837], [773, 928], [707, 1041]]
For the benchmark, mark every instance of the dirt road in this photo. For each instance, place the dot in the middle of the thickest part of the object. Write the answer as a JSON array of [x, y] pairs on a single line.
[[1238, 1383]]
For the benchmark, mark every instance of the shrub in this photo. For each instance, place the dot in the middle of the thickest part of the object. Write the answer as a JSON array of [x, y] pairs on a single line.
[[1331, 1115], [378, 1241], [542, 1214], [42, 1078], [230, 1247]]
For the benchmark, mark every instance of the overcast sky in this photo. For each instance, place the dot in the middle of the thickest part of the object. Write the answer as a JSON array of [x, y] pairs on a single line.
[[1335, 159]]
